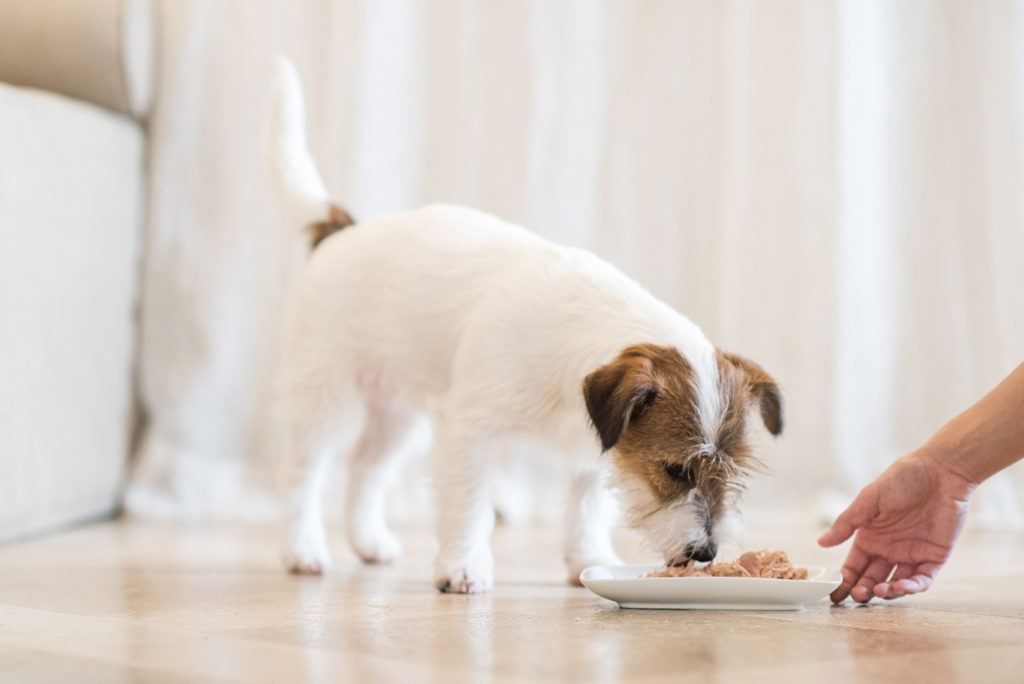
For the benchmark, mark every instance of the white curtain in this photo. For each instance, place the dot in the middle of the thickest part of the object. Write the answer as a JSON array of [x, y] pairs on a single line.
[[833, 189]]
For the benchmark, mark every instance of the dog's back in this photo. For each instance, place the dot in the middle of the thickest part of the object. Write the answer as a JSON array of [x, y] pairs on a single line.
[[397, 290], [404, 288]]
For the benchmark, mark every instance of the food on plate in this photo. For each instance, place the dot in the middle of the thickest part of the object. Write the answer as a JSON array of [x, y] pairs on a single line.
[[770, 564]]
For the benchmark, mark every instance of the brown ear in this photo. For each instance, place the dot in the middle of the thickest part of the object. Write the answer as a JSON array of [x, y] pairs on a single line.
[[763, 389], [619, 392]]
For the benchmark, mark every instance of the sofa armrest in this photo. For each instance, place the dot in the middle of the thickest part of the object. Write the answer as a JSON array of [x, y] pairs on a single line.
[[71, 199]]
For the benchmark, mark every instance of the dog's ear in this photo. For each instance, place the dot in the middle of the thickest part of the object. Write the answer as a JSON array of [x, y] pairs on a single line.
[[763, 389], [618, 393]]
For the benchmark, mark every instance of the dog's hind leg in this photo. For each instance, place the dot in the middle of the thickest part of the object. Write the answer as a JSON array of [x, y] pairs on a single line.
[[320, 425], [373, 464], [590, 517]]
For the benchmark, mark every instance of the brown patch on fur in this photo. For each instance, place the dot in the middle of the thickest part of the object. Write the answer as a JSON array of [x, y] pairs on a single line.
[[337, 218], [644, 404]]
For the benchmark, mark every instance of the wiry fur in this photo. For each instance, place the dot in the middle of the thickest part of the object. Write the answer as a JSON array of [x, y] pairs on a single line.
[[492, 332]]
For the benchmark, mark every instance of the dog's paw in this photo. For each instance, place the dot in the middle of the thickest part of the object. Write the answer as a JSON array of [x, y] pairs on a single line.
[[377, 546], [462, 582], [305, 551], [472, 575], [577, 564]]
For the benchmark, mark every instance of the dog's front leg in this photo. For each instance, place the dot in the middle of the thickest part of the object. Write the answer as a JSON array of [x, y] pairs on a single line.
[[465, 516], [590, 517]]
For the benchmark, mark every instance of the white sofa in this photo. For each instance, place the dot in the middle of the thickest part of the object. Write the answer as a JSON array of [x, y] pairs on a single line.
[[75, 84]]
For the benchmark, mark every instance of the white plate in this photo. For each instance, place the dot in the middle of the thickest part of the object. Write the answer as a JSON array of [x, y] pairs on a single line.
[[626, 585]]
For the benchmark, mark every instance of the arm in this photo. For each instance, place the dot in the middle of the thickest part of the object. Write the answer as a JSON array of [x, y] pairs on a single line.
[[987, 437], [908, 519]]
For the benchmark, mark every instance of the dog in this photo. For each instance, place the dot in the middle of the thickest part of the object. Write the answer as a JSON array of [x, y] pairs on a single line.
[[500, 337]]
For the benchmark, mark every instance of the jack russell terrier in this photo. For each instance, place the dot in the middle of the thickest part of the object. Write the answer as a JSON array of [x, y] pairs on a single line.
[[497, 335]]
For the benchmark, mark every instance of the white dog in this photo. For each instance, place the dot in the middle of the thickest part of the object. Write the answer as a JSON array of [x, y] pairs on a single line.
[[497, 335]]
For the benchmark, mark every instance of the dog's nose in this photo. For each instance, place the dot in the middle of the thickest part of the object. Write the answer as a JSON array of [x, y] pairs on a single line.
[[702, 553]]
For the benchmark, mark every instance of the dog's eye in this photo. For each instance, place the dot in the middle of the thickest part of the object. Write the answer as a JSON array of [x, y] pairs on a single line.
[[679, 472]]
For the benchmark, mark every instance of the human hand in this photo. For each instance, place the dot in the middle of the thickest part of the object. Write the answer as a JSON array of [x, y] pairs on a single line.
[[907, 519]]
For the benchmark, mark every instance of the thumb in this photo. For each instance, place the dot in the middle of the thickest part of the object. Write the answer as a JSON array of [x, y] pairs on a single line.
[[845, 525]]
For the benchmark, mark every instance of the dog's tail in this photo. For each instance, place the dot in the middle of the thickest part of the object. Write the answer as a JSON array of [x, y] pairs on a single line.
[[289, 162]]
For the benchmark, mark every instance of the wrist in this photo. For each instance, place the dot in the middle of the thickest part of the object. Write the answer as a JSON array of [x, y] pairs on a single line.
[[950, 467]]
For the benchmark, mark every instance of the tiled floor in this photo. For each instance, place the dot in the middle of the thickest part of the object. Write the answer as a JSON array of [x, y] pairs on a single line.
[[127, 602]]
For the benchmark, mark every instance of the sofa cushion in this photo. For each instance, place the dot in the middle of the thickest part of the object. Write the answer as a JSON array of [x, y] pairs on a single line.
[[95, 50]]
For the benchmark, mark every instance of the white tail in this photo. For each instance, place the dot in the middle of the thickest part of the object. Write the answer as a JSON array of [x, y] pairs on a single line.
[[285, 151]]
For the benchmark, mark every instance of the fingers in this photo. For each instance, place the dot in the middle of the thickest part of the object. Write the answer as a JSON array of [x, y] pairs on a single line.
[[914, 585], [908, 580], [845, 525], [889, 589], [853, 568], [876, 573]]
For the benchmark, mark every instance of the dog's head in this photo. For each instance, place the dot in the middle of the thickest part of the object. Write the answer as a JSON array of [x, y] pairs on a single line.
[[679, 440]]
